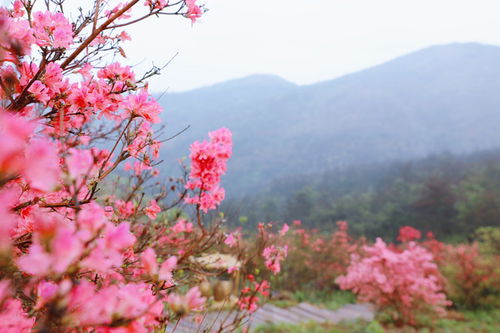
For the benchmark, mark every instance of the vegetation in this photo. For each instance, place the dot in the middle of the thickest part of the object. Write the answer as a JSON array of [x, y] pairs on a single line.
[[416, 283], [84, 248], [466, 322], [450, 195], [390, 112]]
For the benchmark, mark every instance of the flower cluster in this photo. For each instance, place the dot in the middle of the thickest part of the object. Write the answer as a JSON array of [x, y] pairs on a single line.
[[408, 234], [52, 29], [208, 163], [314, 258], [273, 256], [72, 260], [472, 278], [408, 281], [250, 295], [84, 248]]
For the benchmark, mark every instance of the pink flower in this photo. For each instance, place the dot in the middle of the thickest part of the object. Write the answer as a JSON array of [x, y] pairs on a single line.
[[91, 218], [80, 163], [182, 226], [192, 301], [208, 163], [7, 200], [148, 260], [126, 209], [142, 105], [230, 240], [407, 234], [52, 29], [166, 269], [45, 291], [273, 256], [43, 170], [152, 210], [121, 76], [139, 167], [63, 249], [40, 91], [119, 302], [194, 11], [232, 269], [119, 237], [13, 319], [14, 135], [124, 36], [19, 34], [284, 230], [18, 10]]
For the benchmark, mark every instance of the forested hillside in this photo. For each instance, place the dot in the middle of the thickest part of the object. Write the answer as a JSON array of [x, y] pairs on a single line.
[[440, 99], [450, 195]]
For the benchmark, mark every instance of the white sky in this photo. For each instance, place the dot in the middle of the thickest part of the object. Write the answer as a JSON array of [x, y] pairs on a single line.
[[302, 41]]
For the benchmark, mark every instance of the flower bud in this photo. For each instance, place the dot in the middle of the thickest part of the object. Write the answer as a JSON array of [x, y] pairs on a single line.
[[222, 290], [206, 289]]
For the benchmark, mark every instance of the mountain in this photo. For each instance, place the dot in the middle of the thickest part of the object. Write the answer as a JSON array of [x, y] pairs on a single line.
[[442, 98]]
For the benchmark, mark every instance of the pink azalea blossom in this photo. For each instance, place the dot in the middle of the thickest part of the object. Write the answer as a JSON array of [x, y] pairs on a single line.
[[13, 319], [192, 301], [232, 269], [80, 163], [52, 29], [143, 105], [273, 256], [408, 233], [284, 230], [194, 11], [152, 210], [43, 170], [407, 280], [149, 263], [182, 226], [165, 273], [208, 163], [231, 240]]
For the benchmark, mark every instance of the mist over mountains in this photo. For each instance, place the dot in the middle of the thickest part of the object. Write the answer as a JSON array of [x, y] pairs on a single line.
[[442, 98]]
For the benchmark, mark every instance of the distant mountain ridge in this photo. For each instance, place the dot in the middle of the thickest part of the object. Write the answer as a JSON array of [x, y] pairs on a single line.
[[442, 98]]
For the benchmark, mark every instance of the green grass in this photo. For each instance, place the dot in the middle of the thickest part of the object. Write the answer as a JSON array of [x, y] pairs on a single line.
[[479, 321], [327, 300], [312, 327], [472, 322]]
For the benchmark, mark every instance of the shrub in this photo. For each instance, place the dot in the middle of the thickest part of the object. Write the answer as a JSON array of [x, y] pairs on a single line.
[[315, 260], [403, 283], [472, 278], [82, 249]]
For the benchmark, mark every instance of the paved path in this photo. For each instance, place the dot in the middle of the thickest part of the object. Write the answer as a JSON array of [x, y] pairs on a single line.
[[269, 313]]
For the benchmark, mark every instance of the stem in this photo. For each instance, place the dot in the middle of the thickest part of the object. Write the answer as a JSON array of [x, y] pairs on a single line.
[[96, 33], [116, 145]]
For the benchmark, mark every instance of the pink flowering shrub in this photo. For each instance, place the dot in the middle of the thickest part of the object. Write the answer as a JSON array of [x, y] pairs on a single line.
[[472, 278], [315, 259], [403, 283], [407, 234], [82, 249]]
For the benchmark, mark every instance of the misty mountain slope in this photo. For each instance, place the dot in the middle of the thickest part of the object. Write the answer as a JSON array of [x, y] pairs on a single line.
[[443, 98]]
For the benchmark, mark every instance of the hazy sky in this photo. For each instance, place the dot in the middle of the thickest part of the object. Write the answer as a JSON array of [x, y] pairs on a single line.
[[304, 41]]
